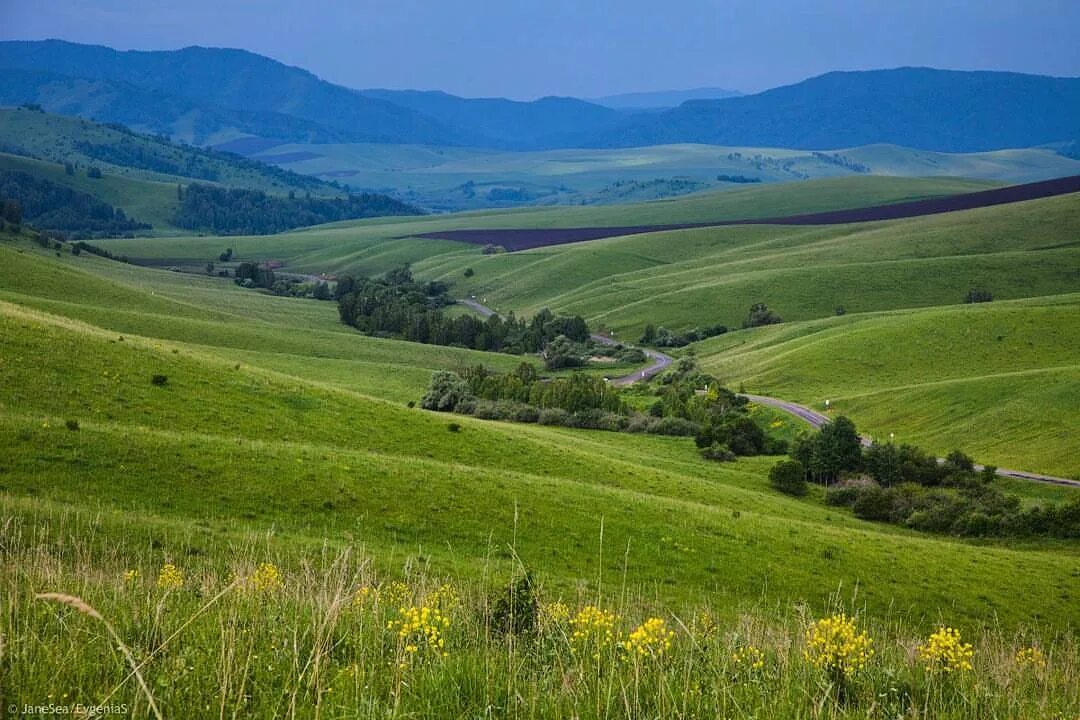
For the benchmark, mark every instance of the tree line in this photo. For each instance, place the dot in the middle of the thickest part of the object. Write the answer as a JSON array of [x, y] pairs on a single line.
[[904, 485], [47, 205], [396, 305], [236, 211]]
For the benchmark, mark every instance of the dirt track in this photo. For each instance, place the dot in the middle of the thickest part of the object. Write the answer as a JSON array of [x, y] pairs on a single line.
[[526, 238]]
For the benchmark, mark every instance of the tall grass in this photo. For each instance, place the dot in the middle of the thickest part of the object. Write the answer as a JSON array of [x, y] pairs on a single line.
[[259, 628]]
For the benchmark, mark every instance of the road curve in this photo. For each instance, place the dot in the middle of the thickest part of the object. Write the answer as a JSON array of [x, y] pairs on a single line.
[[817, 420], [813, 417]]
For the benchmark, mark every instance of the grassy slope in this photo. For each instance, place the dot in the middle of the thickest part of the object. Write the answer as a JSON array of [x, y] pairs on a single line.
[[372, 246], [698, 277], [54, 138], [146, 201], [1001, 379], [257, 446], [434, 176]]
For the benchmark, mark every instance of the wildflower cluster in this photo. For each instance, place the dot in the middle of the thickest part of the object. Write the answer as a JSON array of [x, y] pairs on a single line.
[[267, 578], [835, 645], [945, 652], [592, 628], [747, 658], [420, 628], [650, 639], [170, 578], [1031, 657], [444, 597], [364, 596], [395, 593], [554, 613], [131, 577]]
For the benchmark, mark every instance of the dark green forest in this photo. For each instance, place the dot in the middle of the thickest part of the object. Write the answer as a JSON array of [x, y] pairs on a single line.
[[205, 208]]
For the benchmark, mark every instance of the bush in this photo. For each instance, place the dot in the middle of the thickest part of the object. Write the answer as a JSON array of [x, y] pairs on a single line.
[[159, 380], [673, 426], [760, 315], [516, 610], [718, 451], [873, 503], [553, 416], [976, 295], [71, 425], [453, 427], [789, 477], [469, 272]]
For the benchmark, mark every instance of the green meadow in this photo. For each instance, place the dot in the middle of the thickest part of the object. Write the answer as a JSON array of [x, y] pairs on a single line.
[[153, 418]]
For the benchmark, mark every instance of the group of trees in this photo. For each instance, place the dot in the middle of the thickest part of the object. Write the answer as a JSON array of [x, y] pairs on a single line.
[[906, 486], [716, 418], [48, 205], [396, 305], [662, 337], [252, 212]]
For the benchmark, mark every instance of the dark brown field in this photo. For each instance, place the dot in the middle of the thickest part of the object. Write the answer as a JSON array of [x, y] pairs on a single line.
[[525, 238]]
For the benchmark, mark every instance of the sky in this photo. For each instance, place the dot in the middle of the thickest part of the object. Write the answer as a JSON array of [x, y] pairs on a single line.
[[525, 49]]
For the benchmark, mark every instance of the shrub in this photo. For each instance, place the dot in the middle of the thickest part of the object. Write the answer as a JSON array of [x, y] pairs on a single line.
[[516, 610], [976, 295], [553, 416], [72, 425], [873, 503], [453, 427], [159, 380], [718, 451], [789, 477], [673, 426], [469, 272], [760, 315]]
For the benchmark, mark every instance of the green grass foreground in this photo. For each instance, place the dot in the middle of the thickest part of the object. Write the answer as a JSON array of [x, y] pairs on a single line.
[[103, 610]]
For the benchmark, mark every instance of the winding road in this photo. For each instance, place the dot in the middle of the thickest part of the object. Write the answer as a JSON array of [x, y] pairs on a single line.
[[813, 417]]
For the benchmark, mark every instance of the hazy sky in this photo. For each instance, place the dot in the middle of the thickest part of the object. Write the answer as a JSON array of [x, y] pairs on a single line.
[[528, 48]]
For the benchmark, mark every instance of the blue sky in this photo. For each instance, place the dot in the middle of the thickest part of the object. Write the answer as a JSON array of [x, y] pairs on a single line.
[[529, 48]]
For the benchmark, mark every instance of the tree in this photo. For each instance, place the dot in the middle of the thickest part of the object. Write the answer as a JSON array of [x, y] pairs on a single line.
[[469, 272], [69, 169], [976, 295], [446, 392], [789, 477], [560, 353], [210, 268], [94, 172], [649, 336]]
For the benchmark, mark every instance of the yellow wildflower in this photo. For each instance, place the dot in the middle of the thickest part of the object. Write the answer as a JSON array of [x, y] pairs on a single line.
[[650, 639], [1031, 657], [748, 658], [365, 595], [835, 645], [593, 629], [395, 593], [170, 578], [945, 652], [130, 576], [554, 613], [445, 597], [421, 628], [267, 578]]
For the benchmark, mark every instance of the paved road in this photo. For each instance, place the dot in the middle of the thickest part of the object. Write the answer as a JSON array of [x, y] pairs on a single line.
[[817, 420], [661, 361]]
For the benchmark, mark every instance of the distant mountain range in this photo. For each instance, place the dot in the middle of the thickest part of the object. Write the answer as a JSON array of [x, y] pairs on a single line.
[[662, 99], [213, 96]]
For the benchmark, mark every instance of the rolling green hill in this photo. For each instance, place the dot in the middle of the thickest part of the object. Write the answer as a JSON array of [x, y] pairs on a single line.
[[118, 151], [373, 246], [260, 419], [464, 179], [1000, 379]]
